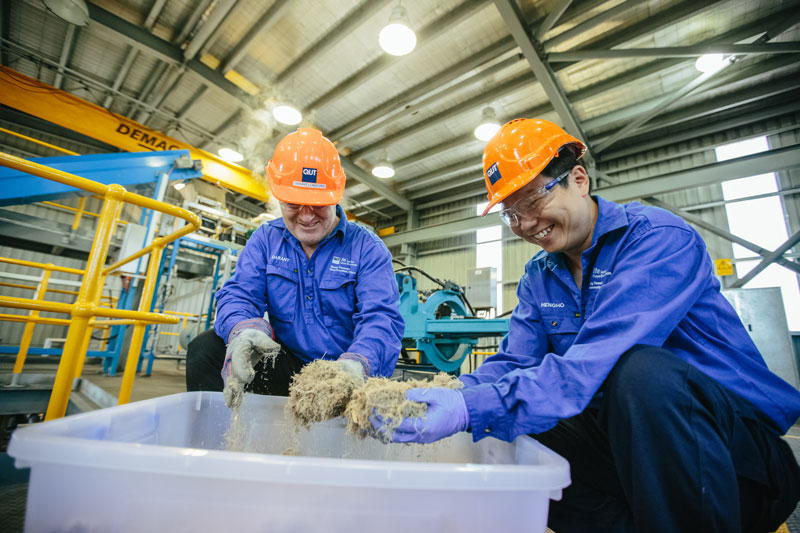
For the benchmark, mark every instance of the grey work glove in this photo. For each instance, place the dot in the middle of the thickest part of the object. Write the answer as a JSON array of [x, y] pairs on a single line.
[[247, 347], [354, 364]]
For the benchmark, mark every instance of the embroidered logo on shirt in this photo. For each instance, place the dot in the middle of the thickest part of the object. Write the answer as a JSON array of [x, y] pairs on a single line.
[[343, 264], [598, 278], [279, 258], [552, 304]]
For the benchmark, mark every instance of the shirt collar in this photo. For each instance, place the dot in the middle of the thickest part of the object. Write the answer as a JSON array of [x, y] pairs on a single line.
[[610, 216]]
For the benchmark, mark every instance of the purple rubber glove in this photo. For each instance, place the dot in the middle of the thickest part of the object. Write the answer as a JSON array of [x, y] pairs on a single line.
[[447, 415]]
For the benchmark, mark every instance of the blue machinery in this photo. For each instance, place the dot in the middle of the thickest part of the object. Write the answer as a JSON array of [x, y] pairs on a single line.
[[443, 327]]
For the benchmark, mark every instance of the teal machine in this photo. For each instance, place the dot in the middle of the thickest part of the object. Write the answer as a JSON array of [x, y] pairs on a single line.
[[441, 324]]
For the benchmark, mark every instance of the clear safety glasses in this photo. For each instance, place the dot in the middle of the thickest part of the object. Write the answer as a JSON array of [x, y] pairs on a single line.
[[297, 207], [530, 205]]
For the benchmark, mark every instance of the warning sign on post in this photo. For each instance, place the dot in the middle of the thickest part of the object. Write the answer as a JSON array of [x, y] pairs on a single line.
[[724, 267]]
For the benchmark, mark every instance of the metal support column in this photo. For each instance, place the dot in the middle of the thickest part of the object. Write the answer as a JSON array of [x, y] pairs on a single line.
[[699, 222], [534, 53], [768, 260]]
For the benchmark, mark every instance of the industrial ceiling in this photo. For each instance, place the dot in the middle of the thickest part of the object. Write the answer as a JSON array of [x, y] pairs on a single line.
[[619, 74]]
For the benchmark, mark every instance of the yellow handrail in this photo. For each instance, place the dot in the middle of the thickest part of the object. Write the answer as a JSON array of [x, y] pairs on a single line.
[[59, 291], [84, 310], [21, 262]]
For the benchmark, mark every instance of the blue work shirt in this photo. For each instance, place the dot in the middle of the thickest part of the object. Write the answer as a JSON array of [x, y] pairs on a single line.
[[343, 299], [647, 279]]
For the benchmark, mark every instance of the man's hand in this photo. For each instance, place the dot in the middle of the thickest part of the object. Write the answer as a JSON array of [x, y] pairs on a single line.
[[354, 364], [247, 347], [447, 415]]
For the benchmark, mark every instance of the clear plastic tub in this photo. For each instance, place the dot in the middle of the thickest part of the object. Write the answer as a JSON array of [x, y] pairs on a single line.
[[162, 465]]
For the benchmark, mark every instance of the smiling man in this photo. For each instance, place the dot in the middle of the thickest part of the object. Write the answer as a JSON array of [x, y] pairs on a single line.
[[326, 284], [622, 356]]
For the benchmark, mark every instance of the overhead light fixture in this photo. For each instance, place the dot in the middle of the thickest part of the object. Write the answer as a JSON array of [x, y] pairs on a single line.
[[488, 126], [384, 169], [179, 185], [709, 62], [397, 38], [286, 114], [72, 11], [230, 155]]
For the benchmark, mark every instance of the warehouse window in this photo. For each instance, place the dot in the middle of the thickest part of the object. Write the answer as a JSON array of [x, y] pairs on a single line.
[[761, 221], [489, 252]]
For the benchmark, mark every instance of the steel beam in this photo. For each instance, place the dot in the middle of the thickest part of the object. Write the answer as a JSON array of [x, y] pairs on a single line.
[[768, 260], [230, 121], [145, 41], [423, 183], [442, 231], [776, 29], [544, 74], [450, 144], [700, 223], [665, 18], [755, 93], [151, 83], [346, 25], [256, 32], [740, 167], [149, 22], [66, 53], [510, 86], [593, 22], [437, 82], [198, 11], [360, 175], [167, 87], [206, 32], [459, 13], [552, 18], [774, 160], [676, 51], [430, 100], [121, 75], [751, 114]]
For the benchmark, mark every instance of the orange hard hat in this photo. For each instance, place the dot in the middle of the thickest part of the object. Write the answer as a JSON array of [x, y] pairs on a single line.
[[305, 169], [519, 152]]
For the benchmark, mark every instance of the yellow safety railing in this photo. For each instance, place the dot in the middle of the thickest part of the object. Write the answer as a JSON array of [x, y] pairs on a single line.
[[86, 307]]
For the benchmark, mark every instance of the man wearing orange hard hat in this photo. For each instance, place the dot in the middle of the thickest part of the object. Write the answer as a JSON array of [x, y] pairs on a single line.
[[326, 284], [622, 356]]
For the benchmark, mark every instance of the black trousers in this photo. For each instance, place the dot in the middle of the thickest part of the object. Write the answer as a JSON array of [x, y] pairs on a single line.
[[669, 449], [206, 356]]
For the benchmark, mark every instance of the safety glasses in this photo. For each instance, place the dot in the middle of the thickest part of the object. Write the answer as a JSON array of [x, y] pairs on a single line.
[[530, 205], [297, 207]]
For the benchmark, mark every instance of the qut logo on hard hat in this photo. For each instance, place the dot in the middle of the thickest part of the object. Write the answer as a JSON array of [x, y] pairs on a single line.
[[309, 175], [493, 173], [309, 179]]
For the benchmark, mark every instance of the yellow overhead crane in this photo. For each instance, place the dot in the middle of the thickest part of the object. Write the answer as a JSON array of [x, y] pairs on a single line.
[[64, 109]]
